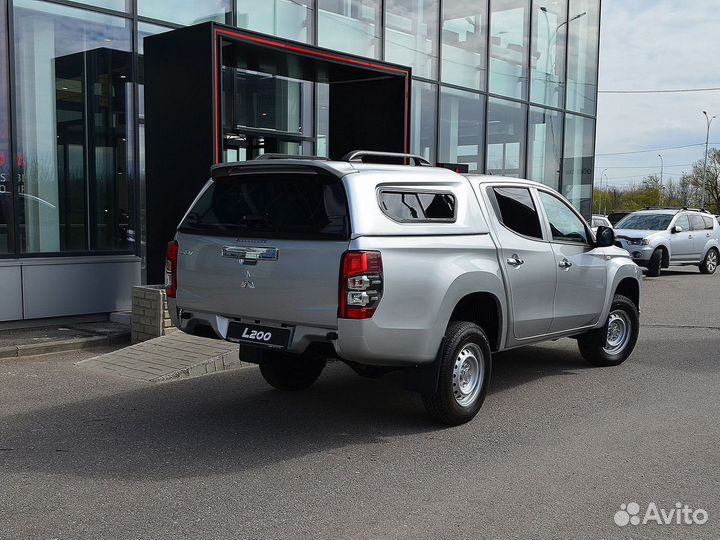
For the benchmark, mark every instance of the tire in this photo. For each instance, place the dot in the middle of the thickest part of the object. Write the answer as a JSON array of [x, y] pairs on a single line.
[[290, 372], [598, 348], [464, 375], [655, 263], [710, 262]]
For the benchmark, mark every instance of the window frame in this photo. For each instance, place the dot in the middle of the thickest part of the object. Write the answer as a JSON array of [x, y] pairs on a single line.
[[546, 221], [389, 189], [490, 194]]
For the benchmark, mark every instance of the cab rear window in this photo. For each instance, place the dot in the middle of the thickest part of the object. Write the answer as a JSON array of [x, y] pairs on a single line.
[[417, 206], [271, 205]]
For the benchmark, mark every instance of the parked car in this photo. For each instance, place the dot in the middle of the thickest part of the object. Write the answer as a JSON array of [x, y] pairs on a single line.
[[614, 217], [599, 221], [659, 238], [389, 267]]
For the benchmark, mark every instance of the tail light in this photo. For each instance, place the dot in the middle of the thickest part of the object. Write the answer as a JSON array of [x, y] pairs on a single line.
[[361, 284], [171, 269]]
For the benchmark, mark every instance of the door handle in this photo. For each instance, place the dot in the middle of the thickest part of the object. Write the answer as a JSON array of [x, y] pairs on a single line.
[[690, 236], [708, 235], [515, 261], [565, 264]]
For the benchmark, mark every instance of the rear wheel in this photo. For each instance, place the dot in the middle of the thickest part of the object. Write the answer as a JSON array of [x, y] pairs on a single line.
[[710, 262], [465, 365], [655, 263], [290, 372], [614, 343]]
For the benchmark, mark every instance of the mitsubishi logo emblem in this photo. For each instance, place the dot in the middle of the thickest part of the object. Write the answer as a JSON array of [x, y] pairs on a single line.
[[248, 283]]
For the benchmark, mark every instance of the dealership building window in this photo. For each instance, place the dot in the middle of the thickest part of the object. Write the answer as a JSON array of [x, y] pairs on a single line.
[[6, 189], [508, 87], [411, 35], [545, 146], [509, 20], [351, 26], [464, 43], [423, 119], [462, 124], [506, 137], [186, 12], [583, 35], [74, 129], [547, 62], [289, 19]]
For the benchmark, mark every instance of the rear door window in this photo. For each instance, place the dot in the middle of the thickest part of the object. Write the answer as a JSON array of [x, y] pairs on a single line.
[[516, 210], [708, 222], [272, 205], [697, 222]]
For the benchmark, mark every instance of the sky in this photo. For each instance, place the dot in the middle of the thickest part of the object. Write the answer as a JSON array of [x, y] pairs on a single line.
[[656, 45]]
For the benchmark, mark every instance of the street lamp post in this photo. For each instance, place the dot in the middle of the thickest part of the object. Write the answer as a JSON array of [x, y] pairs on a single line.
[[707, 139], [602, 195], [662, 167]]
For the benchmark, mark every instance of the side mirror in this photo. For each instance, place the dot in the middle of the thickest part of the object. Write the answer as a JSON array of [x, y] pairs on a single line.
[[605, 237], [676, 229]]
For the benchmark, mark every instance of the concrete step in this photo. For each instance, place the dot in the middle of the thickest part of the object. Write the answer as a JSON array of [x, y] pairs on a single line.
[[57, 338]]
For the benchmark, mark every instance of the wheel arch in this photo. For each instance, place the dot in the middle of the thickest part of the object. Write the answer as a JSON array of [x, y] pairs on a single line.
[[630, 288], [665, 250], [484, 309]]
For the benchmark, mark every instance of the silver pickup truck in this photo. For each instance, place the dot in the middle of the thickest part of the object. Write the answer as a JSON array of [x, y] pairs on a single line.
[[389, 267]]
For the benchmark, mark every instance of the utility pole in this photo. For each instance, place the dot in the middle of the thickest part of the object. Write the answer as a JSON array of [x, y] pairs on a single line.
[[707, 138], [662, 166]]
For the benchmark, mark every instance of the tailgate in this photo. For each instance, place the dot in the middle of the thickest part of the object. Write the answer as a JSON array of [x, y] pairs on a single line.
[[265, 246], [300, 286]]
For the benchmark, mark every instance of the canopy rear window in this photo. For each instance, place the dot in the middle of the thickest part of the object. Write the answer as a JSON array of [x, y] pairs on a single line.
[[271, 205]]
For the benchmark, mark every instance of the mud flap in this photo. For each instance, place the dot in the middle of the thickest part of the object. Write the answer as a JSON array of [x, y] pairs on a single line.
[[425, 378]]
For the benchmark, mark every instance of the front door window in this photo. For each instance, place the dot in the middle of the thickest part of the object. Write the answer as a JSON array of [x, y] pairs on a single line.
[[565, 225]]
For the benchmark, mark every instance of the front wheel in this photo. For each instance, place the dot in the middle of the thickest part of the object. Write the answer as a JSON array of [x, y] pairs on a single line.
[[710, 262], [614, 343], [655, 263], [465, 365], [290, 372]]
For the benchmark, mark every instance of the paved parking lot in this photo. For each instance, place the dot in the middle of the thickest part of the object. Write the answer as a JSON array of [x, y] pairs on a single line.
[[555, 451]]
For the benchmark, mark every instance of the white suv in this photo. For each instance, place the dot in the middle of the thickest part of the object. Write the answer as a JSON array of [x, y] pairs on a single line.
[[658, 238]]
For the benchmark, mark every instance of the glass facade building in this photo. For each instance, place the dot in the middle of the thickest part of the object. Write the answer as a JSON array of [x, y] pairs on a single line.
[[508, 87]]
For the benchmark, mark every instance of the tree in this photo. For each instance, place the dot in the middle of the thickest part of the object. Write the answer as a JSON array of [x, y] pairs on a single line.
[[694, 182]]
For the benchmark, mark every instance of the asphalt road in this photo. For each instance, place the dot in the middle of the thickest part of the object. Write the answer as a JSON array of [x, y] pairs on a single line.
[[555, 451]]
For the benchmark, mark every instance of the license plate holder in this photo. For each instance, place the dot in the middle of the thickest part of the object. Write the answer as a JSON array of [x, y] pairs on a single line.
[[272, 337]]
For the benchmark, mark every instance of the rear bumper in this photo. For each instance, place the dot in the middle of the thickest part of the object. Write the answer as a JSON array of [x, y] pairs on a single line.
[[360, 341], [189, 322]]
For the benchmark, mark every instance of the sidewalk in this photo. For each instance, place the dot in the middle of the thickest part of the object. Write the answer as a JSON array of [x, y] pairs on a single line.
[[57, 338]]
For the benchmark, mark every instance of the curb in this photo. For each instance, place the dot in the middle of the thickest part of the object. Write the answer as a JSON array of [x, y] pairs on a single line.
[[33, 349]]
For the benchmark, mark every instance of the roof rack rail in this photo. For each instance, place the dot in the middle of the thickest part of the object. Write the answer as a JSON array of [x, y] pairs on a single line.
[[358, 155], [288, 156], [676, 208]]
